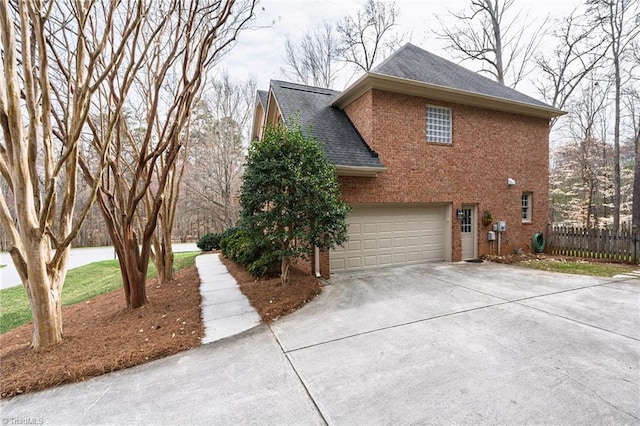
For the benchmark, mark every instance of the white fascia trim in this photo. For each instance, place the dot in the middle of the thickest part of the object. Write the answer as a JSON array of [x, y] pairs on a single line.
[[359, 171]]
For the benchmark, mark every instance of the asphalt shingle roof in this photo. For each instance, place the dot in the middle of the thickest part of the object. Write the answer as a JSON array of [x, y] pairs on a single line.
[[263, 95], [341, 142], [413, 63]]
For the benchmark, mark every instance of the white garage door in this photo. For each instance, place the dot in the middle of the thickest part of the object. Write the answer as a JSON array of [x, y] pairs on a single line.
[[384, 236]]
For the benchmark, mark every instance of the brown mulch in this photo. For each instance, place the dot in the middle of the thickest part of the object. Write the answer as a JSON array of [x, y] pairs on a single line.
[[101, 336], [269, 297], [511, 259]]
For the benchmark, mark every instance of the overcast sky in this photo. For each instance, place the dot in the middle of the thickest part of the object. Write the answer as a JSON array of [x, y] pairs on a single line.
[[260, 52]]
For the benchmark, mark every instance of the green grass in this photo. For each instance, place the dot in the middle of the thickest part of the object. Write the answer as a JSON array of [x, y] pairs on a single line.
[[81, 284], [581, 267]]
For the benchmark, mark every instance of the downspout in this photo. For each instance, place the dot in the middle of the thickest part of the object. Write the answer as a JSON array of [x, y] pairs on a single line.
[[316, 255]]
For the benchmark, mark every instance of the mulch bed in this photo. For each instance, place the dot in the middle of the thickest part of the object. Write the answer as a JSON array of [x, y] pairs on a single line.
[[101, 335], [269, 297]]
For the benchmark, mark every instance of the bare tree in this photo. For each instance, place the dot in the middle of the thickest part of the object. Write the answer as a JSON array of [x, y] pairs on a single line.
[[218, 139], [632, 103], [43, 112], [619, 21], [162, 239], [590, 152], [581, 169], [180, 43], [232, 99], [368, 36], [579, 51], [315, 60], [489, 33], [216, 174]]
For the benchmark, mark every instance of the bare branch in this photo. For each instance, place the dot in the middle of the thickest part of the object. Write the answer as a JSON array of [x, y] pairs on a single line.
[[315, 60], [369, 35], [489, 33], [580, 50]]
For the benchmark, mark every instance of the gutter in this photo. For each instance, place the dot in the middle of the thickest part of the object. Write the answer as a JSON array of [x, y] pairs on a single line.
[[317, 262], [359, 171]]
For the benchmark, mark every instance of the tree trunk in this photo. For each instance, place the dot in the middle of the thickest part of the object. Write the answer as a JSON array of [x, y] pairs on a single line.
[[44, 297], [616, 156], [163, 259], [132, 269], [616, 51], [495, 16], [636, 187], [589, 206], [284, 270], [47, 315]]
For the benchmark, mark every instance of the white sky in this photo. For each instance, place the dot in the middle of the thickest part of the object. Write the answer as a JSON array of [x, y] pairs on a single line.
[[260, 52]]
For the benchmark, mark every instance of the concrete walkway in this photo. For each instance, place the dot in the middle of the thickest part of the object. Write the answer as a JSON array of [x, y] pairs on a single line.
[[225, 310]]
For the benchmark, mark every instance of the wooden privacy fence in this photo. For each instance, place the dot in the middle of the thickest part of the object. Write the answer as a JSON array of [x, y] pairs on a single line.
[[594, 243]]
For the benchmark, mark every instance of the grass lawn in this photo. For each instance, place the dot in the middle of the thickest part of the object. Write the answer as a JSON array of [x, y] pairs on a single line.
[[82, 283], [581, 267]]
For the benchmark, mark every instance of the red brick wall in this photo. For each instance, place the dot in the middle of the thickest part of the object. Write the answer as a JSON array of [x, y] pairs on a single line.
[[308, 265], [324, 264], [305, 265], [488, 148], [361, 111]]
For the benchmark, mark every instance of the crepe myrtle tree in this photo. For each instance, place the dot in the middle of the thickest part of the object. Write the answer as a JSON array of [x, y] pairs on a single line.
[[290, 196]]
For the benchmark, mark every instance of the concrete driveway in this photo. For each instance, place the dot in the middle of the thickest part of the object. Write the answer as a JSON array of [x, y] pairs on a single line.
[[427, 344]]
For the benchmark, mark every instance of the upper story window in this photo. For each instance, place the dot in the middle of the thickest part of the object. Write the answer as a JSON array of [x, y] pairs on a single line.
[[526, 206], [438, 124]]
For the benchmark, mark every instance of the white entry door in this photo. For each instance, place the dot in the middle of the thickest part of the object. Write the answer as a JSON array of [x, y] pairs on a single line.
[[468, 231]]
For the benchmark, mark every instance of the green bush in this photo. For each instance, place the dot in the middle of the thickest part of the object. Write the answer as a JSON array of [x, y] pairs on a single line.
[[209, 242], [233, 244], [290, 197], [226, 237], [259, 258], [212, 241], [267, 264]]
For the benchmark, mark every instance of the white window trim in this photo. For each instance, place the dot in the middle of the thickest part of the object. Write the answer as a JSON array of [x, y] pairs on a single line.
[[450, 129], [529, 217]]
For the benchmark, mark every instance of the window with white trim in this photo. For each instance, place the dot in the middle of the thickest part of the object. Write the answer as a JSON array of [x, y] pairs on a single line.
[[438, 124], [526, 206]]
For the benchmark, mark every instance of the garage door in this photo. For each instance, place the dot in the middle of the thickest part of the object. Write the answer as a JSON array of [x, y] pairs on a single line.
[[387, 236]]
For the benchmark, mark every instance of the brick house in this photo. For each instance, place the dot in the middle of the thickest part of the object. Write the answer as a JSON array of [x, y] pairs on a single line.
[[423, 148]]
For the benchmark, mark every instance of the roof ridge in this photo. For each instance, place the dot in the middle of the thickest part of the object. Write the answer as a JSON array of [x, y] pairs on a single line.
[[414, 63], [395, 53], [304, 87]]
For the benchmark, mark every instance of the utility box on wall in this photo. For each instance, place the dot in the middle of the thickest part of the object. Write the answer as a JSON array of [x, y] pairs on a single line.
[[491, 236], [502, 226]]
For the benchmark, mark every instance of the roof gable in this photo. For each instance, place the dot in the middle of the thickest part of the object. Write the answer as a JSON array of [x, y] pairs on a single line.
[[342, 143], [263, 97]]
